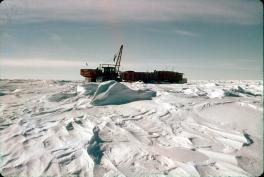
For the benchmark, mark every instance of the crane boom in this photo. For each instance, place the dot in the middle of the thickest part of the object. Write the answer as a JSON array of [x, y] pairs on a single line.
[[118, 60]]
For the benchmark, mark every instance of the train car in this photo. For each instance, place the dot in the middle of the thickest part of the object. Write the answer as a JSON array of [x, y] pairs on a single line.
[[156, 76]]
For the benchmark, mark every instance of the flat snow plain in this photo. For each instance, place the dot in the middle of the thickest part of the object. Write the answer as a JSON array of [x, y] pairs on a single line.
[[68, 128]]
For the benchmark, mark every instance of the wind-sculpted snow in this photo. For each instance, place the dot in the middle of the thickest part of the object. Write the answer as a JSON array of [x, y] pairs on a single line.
[[87, 89], [114, 93], [61, 96], [212, 90], [202, 128]]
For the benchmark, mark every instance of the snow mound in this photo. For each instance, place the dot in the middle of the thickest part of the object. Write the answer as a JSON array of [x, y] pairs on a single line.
[[193, 92], [87, 89], [114, 93], [250, 91]]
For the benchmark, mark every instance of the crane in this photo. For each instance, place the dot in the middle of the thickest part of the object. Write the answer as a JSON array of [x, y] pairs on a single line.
[[118, 60]]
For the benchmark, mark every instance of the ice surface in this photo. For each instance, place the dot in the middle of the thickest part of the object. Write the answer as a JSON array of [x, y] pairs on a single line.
[[202, 128]]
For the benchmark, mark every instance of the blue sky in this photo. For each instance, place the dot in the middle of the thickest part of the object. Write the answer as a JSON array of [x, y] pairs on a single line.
[[205, 39]]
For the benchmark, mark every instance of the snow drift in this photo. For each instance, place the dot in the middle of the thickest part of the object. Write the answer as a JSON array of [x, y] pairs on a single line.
[[113, 93]]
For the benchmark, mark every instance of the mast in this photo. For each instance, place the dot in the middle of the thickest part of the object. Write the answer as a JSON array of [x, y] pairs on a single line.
[[118, 60]]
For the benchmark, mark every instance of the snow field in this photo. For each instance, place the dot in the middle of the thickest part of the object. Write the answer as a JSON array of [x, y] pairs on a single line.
[[59, 128]]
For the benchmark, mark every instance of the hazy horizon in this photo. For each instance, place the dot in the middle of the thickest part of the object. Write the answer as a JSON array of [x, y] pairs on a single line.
[[204, 39]]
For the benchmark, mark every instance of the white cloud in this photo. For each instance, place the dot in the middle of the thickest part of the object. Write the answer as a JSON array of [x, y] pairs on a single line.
[[175, 31], [40, 63], [185, 33], [224, 11]]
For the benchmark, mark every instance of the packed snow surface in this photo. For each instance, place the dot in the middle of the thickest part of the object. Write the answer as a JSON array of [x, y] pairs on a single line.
[[71, 128]]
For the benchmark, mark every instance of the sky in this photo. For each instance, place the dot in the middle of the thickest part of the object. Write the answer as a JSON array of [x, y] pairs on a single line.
[[204, 39]]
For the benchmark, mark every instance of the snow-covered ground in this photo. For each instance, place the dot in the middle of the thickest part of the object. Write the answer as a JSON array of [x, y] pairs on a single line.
[[68, 128]]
